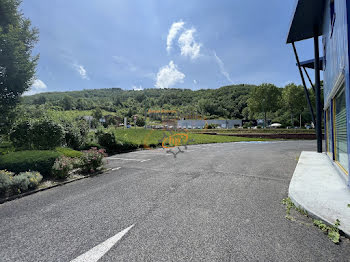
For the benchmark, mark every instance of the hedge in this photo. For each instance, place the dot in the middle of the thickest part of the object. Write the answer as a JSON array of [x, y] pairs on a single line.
[[34, 160], [115, 145], [68, 152]]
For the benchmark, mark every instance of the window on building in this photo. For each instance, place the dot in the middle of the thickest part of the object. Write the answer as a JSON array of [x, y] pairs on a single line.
[[340, 130]]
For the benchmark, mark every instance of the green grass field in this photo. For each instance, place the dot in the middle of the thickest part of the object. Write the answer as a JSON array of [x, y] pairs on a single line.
[[73, 114], [151, 138]]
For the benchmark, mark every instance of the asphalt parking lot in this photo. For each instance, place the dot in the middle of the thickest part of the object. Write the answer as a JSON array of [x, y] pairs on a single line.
[[217, 202]]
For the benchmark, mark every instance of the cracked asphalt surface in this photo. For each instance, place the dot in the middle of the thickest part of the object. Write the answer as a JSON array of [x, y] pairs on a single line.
[[218, 202]]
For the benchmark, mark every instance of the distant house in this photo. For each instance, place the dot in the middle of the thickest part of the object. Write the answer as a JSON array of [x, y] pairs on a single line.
[[331, 20], [200, 124]]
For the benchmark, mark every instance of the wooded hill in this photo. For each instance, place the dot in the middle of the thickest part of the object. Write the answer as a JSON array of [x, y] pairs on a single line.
[[224, 102]]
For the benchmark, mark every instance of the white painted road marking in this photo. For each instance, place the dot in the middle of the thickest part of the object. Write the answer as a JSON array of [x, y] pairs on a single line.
[[94, 254], [151, 153], [129, 159], [116, 168]]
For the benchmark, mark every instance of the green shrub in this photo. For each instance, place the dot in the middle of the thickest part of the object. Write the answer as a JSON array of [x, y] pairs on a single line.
[[33, 177], [5, 181], [35, 160], [77, 162], [73, 137], [125, 146], [212, 126], [76, 133], [114, 145], [21, 135], [90, 145], [16, 184], [61, 167], [92, 159], [41, 134], [68, 152], [19, 184], [24, 182], [47, 134], [140, 122], [6, 147], [108, 141]]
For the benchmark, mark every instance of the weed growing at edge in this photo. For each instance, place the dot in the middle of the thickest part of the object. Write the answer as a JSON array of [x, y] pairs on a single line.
[[332, 231]]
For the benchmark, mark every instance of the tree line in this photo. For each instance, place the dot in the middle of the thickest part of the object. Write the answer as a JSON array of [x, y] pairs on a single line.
[[266, 101]]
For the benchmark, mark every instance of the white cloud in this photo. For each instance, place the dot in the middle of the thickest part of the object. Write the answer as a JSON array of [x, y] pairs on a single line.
[[174, 29], [168, 76], [135, 88], [222, 68], [189, 47], [82, 71], [195, 81], [37, 87]]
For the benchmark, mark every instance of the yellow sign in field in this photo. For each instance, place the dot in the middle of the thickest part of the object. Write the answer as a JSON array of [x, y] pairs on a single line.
[[175, 140]]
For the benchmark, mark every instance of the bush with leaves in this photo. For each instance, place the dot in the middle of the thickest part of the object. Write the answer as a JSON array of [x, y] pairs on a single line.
[[68, 152], [47, 134], [73, 137], [92, 159], [113, 144], [40, 134], [33, 177], [83, 128], [140, 122], [212, 126], [76, 133], [62, 166], [22, 161], [21, 134], [5, 181], [107, 140], [25, 181], [16, 184]]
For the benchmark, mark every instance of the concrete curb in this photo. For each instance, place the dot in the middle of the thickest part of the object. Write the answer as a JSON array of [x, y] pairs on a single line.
[[7, 199], [315, 215], [317, 188]]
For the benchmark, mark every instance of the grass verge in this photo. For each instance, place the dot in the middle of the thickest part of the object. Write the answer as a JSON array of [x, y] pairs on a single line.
[[152, 138]]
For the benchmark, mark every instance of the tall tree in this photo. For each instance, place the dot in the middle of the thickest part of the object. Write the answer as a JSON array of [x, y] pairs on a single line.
[[294, 100], [17, 64], [97, 113], [67, 102], [263, 99]]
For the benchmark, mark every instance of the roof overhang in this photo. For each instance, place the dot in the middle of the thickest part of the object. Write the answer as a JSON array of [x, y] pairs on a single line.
[[308, 16], [311, 63]]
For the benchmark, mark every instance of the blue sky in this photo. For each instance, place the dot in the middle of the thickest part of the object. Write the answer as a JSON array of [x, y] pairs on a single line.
[[162, 44]]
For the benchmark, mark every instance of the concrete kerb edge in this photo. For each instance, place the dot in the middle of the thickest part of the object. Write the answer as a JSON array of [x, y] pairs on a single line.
[[314, 215]]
